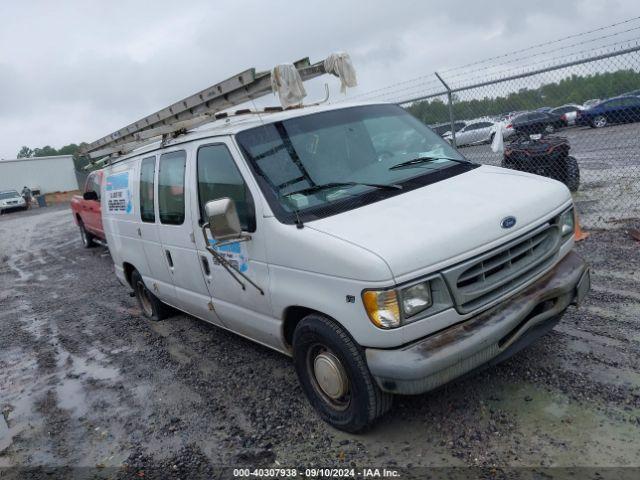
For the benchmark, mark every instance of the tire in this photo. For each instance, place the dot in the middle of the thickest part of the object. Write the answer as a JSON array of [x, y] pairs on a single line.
[[358, 401], [572, 174], [599, 121], [151, 306], [86, 237]]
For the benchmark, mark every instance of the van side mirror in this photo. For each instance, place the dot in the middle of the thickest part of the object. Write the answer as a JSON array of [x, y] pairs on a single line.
[[223, 219], [90, 195]]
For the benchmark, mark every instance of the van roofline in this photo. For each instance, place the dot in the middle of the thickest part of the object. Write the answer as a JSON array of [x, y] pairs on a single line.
[[233, 124]]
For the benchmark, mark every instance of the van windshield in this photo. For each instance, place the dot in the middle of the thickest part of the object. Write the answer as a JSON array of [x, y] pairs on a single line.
[[340, 159]]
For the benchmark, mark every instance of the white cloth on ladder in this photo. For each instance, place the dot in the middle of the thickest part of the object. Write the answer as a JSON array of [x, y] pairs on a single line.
[[339, 63], [286, 82]]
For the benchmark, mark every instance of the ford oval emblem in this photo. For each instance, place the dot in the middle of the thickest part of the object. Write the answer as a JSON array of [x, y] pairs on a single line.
[[508, 222]]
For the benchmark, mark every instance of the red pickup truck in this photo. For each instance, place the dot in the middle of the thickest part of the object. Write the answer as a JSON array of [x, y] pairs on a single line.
[[87, 212]]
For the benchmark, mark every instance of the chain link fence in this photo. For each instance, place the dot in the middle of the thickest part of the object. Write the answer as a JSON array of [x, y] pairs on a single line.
[[566, 109], [576, 120]]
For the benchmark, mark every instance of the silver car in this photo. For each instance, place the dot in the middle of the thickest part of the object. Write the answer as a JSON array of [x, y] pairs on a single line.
[[481, 131], [11, 200], [567, 112]]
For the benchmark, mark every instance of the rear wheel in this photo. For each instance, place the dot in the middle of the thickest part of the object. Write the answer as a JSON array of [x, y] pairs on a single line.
[[334, 375], [572, 174], [599, 121], [86, 237], [150, 305]]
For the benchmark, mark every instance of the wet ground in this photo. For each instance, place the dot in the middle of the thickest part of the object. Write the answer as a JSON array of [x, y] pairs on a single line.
[[85, 380]]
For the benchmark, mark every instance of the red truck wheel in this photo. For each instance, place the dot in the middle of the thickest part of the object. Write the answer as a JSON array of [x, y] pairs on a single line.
[[87, 238]]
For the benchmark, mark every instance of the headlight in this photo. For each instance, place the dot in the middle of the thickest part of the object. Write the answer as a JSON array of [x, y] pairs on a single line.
[[566, 223], [388, 308], [416, 298], [382, 307]]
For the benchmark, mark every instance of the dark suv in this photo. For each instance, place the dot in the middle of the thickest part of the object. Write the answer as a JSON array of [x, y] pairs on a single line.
[[537, 122]]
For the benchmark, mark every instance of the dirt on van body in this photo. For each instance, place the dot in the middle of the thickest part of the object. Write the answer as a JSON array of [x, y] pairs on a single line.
[[86, 381]]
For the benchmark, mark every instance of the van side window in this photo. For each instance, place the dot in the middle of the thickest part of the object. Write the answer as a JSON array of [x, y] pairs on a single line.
[[171, 187], [219, 177], [147, 181]]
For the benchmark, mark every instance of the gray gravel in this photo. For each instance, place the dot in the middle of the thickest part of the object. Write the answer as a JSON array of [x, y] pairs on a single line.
[[87, 381]]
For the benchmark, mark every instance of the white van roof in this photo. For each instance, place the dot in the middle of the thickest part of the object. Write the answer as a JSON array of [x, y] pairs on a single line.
[[236, 123]]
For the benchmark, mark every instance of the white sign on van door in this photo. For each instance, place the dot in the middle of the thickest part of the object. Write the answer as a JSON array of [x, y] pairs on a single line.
[[118, 194]]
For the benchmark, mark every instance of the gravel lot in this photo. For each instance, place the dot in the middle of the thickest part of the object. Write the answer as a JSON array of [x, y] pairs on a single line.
[[87, 381], [609, 169]]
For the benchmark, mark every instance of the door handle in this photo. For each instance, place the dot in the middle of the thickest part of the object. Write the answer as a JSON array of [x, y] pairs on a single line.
[[205, 265], [169, 258]]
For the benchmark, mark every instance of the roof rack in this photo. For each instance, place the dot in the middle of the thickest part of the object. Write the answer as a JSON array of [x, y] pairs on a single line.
[[198, 109]]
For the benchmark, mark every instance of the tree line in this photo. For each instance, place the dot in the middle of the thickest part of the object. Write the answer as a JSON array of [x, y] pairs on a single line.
[[574, 89]]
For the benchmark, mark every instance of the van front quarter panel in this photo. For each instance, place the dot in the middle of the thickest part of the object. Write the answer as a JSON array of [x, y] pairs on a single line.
[[320, 272]]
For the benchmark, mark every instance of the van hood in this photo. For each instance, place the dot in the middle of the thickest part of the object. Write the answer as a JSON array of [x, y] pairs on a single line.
[[446, 222]]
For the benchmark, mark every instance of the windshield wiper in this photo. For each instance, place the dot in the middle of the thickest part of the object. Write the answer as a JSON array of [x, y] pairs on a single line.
[[421, 160], [324, 186]]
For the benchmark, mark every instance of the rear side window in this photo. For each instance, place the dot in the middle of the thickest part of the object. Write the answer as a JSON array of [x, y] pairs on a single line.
[[147, 181], [93, 184], [218, 177], [171, 187]]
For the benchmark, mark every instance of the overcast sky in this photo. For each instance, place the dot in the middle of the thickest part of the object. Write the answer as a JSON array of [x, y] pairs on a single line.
[[73, 71]]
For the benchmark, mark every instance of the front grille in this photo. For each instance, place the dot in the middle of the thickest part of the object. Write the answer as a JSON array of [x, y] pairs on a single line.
[[481, 280], [12, 202]]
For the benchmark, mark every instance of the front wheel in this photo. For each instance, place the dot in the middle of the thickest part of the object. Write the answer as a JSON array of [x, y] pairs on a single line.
[[599, 121], [334, 375], [150, 305], [550, 128]]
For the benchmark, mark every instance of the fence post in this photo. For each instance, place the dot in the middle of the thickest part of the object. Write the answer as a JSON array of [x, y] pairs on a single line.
[[450, 101]]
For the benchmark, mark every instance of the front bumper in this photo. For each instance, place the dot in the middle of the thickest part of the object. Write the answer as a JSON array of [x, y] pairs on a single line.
[[489, 337], [11, 208]]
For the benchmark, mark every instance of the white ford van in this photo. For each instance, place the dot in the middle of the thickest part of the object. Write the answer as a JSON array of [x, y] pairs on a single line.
[[353, 239]]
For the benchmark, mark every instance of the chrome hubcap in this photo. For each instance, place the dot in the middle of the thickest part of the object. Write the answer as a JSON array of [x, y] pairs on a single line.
[[330, 375]]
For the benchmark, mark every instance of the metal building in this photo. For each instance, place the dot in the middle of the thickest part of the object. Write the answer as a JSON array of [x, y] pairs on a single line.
[[46, 174]]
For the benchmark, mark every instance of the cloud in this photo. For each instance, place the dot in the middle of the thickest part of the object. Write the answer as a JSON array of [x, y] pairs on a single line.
[[74, 71]]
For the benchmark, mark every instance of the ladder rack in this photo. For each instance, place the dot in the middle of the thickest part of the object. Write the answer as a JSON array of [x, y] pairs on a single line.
[[195, 110]]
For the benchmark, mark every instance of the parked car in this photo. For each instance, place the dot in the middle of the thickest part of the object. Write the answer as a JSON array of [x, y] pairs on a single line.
[[624, 109], [11, 200], [567, 113], [87, 211], [478, 132], [379, 274], [590, 103], [442, 128], [537, 122]]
